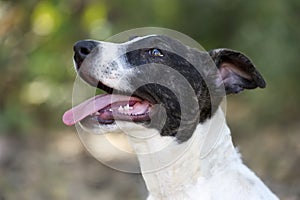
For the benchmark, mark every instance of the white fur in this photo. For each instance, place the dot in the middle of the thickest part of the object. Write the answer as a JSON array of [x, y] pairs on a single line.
[[137, 39], [220, 175], [179, 171], [105, 64]]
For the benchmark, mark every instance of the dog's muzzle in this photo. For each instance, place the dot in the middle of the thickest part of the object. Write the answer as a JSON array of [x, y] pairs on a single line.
[[104, 109]]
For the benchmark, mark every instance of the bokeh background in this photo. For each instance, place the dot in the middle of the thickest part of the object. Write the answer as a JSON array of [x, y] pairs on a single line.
[[40, 158]]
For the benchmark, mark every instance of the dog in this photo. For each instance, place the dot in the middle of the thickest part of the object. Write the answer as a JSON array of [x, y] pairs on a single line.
[[166, 96]]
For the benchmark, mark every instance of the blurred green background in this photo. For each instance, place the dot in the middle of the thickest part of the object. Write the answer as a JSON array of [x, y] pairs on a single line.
[[40, 158]]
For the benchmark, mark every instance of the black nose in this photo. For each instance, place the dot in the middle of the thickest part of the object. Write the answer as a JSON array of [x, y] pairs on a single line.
[[82, 49]]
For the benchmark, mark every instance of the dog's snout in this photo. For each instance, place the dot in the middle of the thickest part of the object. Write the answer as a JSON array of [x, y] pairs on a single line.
[[82, 49]]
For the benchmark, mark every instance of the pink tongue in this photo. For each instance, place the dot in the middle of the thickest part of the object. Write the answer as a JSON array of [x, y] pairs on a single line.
[[92, 105]]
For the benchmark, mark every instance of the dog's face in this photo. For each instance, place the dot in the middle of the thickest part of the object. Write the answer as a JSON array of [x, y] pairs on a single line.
[[156, 82]]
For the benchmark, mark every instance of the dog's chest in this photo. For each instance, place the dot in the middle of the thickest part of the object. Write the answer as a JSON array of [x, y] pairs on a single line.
[[182, 171], [176, 171]]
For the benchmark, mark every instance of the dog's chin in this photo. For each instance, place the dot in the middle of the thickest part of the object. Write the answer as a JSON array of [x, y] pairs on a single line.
[[91, 125]]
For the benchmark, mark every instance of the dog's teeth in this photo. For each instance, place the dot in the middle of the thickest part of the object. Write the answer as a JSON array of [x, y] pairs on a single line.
[[120, 109], [124, 109], [110, 110], [127, 107]]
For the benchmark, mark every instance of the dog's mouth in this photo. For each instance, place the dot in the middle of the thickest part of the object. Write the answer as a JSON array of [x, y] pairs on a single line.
[[107, 108]]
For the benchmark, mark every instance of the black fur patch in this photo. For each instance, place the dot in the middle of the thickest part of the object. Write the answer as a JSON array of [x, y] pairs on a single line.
[[184, 112]]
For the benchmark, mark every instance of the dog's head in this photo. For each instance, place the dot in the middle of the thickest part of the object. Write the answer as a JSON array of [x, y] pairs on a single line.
[[157, 82]]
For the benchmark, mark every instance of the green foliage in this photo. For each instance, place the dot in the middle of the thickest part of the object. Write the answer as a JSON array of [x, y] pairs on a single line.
[[36, 39]]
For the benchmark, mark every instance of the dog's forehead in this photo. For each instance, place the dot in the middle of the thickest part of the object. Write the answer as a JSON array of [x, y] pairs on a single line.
[[140, 38], [154, 41]]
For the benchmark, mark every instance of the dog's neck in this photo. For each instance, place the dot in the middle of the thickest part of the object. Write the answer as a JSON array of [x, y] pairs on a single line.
[[171, 169]]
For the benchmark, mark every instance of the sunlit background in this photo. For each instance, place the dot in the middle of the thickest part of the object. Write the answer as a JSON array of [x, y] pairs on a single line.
[[40, 158]]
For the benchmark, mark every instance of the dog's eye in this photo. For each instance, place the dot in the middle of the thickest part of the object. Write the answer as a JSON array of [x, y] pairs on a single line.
[[155, 53]]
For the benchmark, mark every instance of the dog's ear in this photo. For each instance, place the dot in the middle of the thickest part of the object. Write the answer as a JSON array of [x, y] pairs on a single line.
[[236, 70]]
